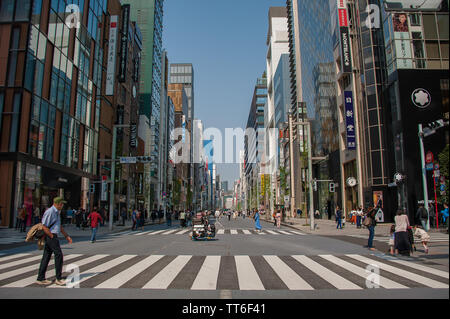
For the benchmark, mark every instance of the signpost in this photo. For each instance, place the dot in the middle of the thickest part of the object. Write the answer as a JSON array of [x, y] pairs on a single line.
[[436, 175]]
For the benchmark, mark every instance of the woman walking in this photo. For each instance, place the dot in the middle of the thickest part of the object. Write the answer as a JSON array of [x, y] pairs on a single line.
[[278, 217], [370, 222], [256, 217], [402, 243]]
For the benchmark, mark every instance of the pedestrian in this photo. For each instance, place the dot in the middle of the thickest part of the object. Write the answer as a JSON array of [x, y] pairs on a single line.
[[160, 215], [36, 215], [422, 215], [402, 243], [444, 213], [423, 236], [229, 216], [392, 240], [274, 216], [134, 220], [93, 217], [78, 217], [411, 239], [153, 215], [169, 218], [299, 212], [51, 222], [183, 219], [23, 219], [123, 214], [338, 217], [278, 217], [256, 217], [370, 222], [142, 219], [85, 221], [115, 215], [359, 215]]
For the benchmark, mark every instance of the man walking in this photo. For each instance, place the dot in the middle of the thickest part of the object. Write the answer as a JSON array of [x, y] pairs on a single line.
[[422, 214], [51, 222], [94, 217], [183, 219], [338, 218]]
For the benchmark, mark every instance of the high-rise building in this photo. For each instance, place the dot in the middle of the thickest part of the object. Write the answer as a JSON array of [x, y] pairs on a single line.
[[254, 143], [54, 109], [278, 45], [149, 16], [314, 95]]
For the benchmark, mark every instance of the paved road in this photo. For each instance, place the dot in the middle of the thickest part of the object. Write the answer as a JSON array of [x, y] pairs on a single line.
[[163, 262]]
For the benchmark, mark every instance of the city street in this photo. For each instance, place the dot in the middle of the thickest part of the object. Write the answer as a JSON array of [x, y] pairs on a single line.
[[163, 262]]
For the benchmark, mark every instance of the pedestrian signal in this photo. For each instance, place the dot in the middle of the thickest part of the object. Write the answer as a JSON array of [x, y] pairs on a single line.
[[332, 187]]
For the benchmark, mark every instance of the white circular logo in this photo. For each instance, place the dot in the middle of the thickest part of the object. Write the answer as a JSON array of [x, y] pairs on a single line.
[[421, 98], [398, 177], [351, 181]]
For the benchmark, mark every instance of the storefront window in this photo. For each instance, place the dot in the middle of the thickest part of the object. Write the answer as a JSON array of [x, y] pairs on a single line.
[[429, 26]]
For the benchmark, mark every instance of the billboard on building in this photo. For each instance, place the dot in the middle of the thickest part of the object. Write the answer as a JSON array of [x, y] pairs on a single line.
[[111, 66], [413, 5], [124, 42], [346, 60]]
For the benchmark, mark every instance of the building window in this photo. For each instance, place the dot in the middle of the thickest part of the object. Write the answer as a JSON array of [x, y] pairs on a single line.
[[22, 10], [429, 26], [13, 56], [6, 10], [15, 123]]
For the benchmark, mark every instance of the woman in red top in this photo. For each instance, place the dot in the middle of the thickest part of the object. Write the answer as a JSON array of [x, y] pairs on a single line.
[[94, 217]]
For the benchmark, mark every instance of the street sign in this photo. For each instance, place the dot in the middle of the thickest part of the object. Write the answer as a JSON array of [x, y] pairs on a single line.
[[429, 166], [429, 157], [128, 160]]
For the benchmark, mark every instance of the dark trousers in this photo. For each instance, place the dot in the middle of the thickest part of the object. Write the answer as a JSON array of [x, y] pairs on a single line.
[[371, 236], [358, 221], [339, 223], [51, 246]]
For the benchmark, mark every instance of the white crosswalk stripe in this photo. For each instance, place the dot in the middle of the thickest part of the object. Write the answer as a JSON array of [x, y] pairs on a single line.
[[242, 272], [221, 232], [400, 272], [434, 238], [163, 279], [218, 232], [208, 274]]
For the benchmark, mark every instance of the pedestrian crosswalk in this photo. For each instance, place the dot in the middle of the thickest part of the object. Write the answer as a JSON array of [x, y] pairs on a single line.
[[434, 238], [240, 272], [180, 231]]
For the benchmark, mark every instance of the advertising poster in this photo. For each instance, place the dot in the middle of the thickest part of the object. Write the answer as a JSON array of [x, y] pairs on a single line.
[[402, 42], [378, 205]]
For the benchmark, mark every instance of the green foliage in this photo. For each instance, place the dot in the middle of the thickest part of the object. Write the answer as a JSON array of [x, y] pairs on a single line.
[[443, 163]]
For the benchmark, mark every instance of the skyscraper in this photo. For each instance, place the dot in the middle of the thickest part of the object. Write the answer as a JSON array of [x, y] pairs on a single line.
[[149, 15]]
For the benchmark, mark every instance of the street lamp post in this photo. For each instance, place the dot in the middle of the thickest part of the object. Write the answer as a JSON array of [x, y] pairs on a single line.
[[310, 180], [113, 173]]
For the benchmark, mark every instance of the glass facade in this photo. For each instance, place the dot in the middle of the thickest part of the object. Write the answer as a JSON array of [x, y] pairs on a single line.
[[317, 73]]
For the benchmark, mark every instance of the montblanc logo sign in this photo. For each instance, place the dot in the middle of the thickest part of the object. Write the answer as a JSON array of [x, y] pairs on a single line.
[[421, 98]]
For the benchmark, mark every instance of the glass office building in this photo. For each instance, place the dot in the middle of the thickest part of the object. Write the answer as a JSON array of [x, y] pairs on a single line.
[[50, 92]]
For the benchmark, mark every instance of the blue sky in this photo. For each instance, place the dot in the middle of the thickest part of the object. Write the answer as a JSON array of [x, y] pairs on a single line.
[[225, 40]]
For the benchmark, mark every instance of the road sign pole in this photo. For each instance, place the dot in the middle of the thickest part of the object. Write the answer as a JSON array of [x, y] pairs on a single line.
[[424, 171], [113, 178], [435, 201]]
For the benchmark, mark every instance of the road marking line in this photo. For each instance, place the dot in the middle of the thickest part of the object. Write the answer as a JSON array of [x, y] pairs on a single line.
[[19, 262], [169, 232], [13, 256], [88, 274], [430, 270], [272, 232], [32, 279], [333, 278], [182, 232], [156, 232], [207, 276], [144, 233], [246, 231], [221, 232], [247, 276], [384, 282], [285, 232], [290, 278], [233, 231], [400, 272], [165, 277], [128, 274], [296, 232]]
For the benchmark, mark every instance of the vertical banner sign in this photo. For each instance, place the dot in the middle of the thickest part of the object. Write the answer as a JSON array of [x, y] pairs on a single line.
[[104, 193], [346, 60], [133, 133], [124, 42], [350, 120], [111, 67]]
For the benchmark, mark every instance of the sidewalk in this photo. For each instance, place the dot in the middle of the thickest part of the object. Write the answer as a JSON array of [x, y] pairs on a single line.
[[328, 227], [72, 230]]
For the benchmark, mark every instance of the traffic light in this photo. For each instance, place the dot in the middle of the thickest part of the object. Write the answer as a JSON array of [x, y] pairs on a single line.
[[332, 187], [436, 124], [315, 185], [92, 188], [143, 159]]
